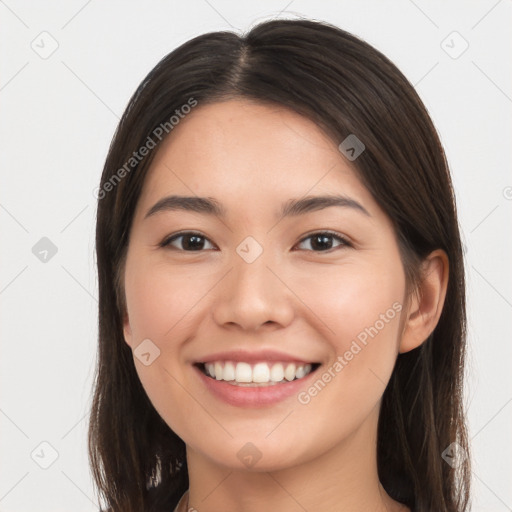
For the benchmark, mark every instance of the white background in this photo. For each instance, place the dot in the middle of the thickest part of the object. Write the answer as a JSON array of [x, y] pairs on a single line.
[[57, 119]]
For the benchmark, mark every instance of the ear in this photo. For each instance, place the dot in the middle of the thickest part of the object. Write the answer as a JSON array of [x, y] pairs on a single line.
[[127, 329], [426, 302]]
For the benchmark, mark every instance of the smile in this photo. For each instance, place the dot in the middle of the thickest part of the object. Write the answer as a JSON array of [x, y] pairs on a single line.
[[256, 375]]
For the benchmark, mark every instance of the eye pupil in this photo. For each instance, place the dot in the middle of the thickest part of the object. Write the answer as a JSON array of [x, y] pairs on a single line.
[[196, 243], [323, 241]]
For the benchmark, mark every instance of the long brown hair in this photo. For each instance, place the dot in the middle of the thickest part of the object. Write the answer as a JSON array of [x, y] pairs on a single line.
[[347, 87]]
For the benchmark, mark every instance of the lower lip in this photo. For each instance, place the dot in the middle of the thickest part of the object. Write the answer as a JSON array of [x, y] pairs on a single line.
[[245, 396]]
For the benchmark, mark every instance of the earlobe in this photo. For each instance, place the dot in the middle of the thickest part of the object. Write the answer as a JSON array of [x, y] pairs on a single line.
[[427, 302]]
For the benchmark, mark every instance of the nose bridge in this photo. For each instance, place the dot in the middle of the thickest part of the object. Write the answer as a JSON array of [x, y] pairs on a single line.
[[251, 269], [252, 277], [253, 295]]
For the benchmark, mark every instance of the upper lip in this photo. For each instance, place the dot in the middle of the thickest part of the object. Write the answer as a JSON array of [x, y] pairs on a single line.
[[253, 357]]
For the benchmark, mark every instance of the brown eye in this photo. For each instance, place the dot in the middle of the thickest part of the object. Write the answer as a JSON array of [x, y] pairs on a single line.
[[189, 241], [324, 241]]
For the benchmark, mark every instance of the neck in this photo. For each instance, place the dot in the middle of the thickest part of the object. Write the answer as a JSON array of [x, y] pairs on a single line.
[[340, 478]]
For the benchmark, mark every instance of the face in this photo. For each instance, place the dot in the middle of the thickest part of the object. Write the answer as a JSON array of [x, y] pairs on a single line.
[[259, 283]]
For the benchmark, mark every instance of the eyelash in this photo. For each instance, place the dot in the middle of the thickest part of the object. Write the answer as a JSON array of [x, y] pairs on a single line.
[[334, 234]]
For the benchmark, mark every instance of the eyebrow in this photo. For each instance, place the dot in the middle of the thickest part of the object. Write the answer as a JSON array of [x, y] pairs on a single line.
[[293, 207]]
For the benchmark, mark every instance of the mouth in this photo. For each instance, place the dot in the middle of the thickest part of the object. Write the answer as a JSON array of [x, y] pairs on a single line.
[[261, 374]]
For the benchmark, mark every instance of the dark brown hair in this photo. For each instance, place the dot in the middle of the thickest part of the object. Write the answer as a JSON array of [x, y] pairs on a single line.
[[346, 87]]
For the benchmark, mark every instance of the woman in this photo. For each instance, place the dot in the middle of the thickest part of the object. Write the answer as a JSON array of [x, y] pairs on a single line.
[[282, 301]]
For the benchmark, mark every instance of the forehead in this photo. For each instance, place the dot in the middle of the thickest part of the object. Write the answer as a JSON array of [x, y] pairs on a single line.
[[240, 148]]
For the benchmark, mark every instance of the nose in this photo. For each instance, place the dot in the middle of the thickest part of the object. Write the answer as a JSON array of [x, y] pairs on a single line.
[[253, 295]]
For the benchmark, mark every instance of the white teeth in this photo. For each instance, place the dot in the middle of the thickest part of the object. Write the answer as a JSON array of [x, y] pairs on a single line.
[[299, 373], [289, 373], [277, 373], [218, 371], [260, 373], [229, 371], [243, 372]]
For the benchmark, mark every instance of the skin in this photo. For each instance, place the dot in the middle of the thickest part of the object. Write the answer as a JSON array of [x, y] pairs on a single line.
[[294, 297]]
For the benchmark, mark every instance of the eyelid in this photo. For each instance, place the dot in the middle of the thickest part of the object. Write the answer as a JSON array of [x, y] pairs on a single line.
[[171, 238], [344, 239]]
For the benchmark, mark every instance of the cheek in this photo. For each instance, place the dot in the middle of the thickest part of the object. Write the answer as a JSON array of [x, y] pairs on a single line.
[[358, 309], [160, 303], [362, 307], [350, 299], [161, 300]]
